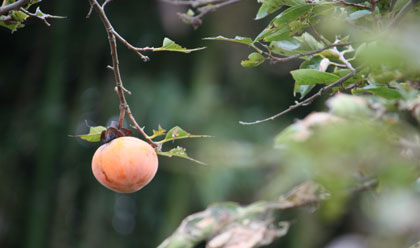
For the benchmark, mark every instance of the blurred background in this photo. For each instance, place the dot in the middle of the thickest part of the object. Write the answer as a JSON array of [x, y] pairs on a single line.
[[53, 79]]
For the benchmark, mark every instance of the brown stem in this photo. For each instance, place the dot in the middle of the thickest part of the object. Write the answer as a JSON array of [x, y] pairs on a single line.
[[306, 101], [124, 108], [361, 6]]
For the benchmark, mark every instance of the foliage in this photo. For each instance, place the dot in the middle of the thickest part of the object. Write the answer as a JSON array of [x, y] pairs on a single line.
[[366, 140]]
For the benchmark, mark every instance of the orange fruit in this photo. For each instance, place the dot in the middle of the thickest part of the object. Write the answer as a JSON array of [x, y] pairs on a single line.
[[125, 164]]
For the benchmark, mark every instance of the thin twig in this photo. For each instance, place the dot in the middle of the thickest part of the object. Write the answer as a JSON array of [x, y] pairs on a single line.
[[131, 47], [361, 6], [275, 59], [13, 6], [306, 101], [399, 14], [197, 20], [343, 59], [124, 108], [42, 16], [192, 3]]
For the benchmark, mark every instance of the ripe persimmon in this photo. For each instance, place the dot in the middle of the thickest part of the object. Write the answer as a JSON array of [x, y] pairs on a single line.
[[125, 164]]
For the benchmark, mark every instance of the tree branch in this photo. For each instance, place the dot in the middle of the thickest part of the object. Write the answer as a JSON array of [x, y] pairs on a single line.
[[207, 6], [13, 6], [306, 101], [400, 14], [360, 6], [42, 16], [124, 108]]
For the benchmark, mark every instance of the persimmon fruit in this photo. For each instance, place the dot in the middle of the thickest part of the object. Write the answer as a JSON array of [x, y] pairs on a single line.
[[125, 164]]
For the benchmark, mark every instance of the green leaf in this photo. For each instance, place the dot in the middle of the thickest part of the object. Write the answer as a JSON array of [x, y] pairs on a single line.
[[94, 134], [238, 39], [291, 14], [286, 45], [311, 42], [13, 26], [178, 133], [19, 16], [179, 152], [269, 6], [343, 72], [382, 91], [358, 14], [170, 46], [311, 77], [303, 90], [313, 63], [276, 34], [254, 59]]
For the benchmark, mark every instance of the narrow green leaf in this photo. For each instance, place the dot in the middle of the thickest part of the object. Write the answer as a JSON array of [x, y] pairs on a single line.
[[170, 46], [94, 134], [179, 152], [254, 59], [311, 77], [238, 39]]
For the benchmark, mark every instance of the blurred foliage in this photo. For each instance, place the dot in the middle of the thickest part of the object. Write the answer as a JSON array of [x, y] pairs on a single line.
[[364, 151]]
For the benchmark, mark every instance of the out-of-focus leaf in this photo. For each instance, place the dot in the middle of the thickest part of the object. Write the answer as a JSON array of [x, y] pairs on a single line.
[[170, 46], [254, 59], [248, 235], [179, 152], [416, 245], [382, 91], [359, 14], [238, 39], [94, 134], [348, 106], [311, 77], [303, 129]]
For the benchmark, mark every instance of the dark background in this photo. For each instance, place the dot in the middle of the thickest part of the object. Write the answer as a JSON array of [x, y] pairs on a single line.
[[53, 79]]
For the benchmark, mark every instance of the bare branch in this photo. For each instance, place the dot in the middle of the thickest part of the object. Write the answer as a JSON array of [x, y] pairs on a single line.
[[192, 3], [207, 6], [13, 6], [361, 6], [124, 108], [41, 15], [306, 101], [131, 47], [400, 14]]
